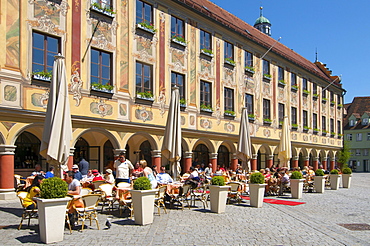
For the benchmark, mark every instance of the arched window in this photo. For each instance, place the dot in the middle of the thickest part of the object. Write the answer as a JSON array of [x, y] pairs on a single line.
[[200, 155], [146, 152], [223, 156], [27, 152]]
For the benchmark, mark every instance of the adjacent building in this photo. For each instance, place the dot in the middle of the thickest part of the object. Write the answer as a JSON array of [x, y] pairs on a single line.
[[124, 56], [357, 133]]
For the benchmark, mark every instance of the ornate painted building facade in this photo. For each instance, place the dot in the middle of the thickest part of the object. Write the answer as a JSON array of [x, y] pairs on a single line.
[[124, 56]]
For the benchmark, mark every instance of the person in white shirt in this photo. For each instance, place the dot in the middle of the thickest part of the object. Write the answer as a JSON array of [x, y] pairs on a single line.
[[163, 178], [123, 169]]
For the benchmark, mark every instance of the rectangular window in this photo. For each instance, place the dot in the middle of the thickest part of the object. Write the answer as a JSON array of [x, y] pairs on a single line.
[[314, 121], [339, 99], [266, 67], [331, 125], [368, 136], [205, 40], [365, 121], [358, 151], [280, 73], [294, 116], [281, 113], [305, 118], [228, 51], [266, 109], [304, 84], [293, 79], [177, 28], [205, 93], [178, 80], [249, 103], [101, 68], [366, 152], [229, 99], [314, 88], [358, 136], [144, 78], [105, 4], [44, 48], [248, 59], [323, 122], [144, 13], [339, 127], [331, 96], [351, 122], [349, 137]]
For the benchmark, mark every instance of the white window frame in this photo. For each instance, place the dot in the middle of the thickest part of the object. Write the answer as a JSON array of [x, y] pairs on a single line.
[[358, 151], [365, 121], [366, 152], [349, 137], [358, 136], [351, 122]]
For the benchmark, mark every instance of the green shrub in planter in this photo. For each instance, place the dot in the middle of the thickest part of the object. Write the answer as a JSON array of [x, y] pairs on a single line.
[[296, 175], [142, 183], [319, 172], [53, 188], [334, 171], [257, 178], [347, 170], [218, 180]]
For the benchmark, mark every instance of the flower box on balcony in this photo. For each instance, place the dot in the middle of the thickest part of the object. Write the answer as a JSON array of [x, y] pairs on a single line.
[[315, 96], [207, 52], [145, 96], [315, 131], [294, 127], [178, 40], [340, 106], [306, 128], [267, 77], [294, 88], [108, 12], [146, 27], [332, 103], [324, 100], [332, 134], [281, 83], [251, 117], [206, 108], [324, 132], [42, 76], [102, 88], [306, 92], [229, 113], [267, 121], [230, 62], [249, 69]]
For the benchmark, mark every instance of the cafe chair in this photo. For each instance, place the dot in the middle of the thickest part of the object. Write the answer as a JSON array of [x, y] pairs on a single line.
[[234, 192], [125, 203], [159, 199], [97, 183], [18, 183], [89, 211], [27, 213], [200, 194], [106, 196], [182, 197], [85, 191]]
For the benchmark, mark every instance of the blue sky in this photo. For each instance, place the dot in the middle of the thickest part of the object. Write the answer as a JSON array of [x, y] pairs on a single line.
[[338, 29]]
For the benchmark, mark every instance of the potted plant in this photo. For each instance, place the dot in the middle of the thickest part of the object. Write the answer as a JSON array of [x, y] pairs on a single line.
[[282, 82], [256, 189], [295, 87], [52, 206], [346, 177], [42, 75], [294, 126], [306, 92], [315, 96], [316, 130], [218, 194], [206, 108], [229, 61], [143, 201], [182, 102], [319, 181], [146, 95], [249, 69], [229, 113], [100, 87], [251, 117], [296, 184], [324, 132], [267, 76], [334, 179], [306, 128], [324, 100], [146, 27], [207, 52], [178, 39], [267, 121]]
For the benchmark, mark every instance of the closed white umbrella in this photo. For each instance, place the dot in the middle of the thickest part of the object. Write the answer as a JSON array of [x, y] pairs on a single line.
[[244, 151], [171, 147], [285, 146], [57, 134]]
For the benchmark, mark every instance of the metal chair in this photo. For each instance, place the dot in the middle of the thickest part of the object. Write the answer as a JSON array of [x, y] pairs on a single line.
[[27, 213], [97, 183], [125, 202], [19, 185], [182, 197], [200, 194], [89, 211], [234, 192], [85, 191], [107, 195]]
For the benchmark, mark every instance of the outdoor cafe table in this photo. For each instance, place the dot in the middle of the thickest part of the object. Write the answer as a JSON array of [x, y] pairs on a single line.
[[123, 193], [173, 188]]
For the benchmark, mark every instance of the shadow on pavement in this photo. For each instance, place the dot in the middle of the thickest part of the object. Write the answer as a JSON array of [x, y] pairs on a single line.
[[33, 237], [15, 211], [125, 222]]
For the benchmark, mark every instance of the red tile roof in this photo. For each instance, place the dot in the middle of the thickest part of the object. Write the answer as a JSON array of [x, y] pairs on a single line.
[[229, 20], [358, 107]]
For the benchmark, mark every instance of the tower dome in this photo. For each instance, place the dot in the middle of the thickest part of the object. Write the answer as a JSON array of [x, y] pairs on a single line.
[[263, 24]]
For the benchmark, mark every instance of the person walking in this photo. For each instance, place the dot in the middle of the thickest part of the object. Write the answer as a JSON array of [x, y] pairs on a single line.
[[84, 167], [123, 169]]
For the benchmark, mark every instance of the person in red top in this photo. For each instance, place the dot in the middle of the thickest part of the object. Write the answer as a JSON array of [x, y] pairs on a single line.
[[138, 170], [97, 175]]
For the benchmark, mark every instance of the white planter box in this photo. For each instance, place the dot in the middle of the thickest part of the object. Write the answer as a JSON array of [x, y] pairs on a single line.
[[256, 194], [319, 184], [52, 215], [346, 180], [334, 181], [143, 203], [218, 197], [296, 188]]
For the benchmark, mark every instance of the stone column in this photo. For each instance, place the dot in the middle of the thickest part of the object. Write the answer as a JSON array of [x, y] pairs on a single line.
[[253, 162], [270, 161], [157, 159], [187, 161], [315, 163], [332, 163], [70, 158], [295, 161], [7, 172], [234, 162], [213, 160], [324, 164], [306, 161]]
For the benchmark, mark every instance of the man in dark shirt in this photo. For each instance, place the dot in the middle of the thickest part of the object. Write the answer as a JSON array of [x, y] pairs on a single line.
[[77, 173], [84, 167]]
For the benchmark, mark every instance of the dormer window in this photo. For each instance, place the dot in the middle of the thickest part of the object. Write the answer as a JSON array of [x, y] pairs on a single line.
[[351, 122], [365, 121]]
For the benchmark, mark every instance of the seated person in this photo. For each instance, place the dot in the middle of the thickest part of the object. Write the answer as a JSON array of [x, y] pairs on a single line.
[[218, 171], [33, 191], [194, 175], [50, 173], [97, 175], [78, 175], [108, 176], [38, 171], [163, 178], [138, 170], [89, 177], [208, 171], [74, 188], [185, 176]]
